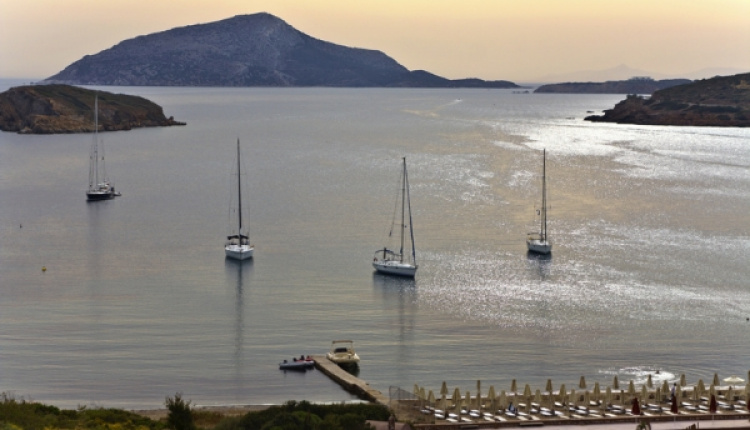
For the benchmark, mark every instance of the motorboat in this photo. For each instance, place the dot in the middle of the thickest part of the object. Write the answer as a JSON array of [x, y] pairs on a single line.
[[342, 352], [297, 364]]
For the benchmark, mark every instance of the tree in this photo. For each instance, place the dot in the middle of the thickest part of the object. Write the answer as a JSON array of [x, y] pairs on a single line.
[[180, 417]]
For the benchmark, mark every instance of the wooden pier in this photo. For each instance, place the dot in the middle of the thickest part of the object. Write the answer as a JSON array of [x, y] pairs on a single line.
[[348, 381]]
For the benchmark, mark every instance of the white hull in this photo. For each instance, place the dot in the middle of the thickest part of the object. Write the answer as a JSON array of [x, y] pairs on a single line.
[[238, 252], [539, 246], [395, 268], [343, 358]]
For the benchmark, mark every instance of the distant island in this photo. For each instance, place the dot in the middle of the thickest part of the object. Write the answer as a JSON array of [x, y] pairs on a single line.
[[48, 109], [723, 101], [635, 85], [244, 51]]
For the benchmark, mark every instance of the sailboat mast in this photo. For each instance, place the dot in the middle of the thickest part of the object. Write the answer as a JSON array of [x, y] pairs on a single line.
[[96, 140], [411, 223], [544, 194], [239, 193], [403, 202]]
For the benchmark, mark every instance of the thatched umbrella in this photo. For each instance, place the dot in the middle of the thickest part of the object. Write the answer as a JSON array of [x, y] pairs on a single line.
[[716, 379], [597, 392], [712, 390], [444, 389], [468, 400], [431, 398], [608, 396], [538, 397], [644, 394], [443, 402], [631, 389], [493, 399], [527, 391], [657, 395], [701, 387], [665, 387], [479, 390], [503, 402], [582, 382], [730, 395], [562, 394], [491, 393], [479, 401], [586, 399], [615, 383], [649, 381], [573, 398], [548, 387], [457, 399], [416, 390], [683, 381], [513, 386]]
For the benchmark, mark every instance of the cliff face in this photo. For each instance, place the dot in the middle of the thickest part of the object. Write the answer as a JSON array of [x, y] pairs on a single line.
[[246, 50], [47, 109], [630, 86], [720, 101]]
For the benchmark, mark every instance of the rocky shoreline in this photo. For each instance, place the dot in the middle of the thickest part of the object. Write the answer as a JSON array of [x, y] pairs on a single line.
[[53, 109]]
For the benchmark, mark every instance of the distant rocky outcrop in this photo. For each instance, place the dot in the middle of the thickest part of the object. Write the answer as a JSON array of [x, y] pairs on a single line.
[[247, 50], [636, 85], [720, 101], [48, 109]]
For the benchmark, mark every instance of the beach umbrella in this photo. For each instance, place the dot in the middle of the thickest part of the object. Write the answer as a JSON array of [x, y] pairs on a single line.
[[443, 402], [479, 388], [644, 394], [491, 393], [479, 401], [493, 400], [615, 383], [582, 382], [468, 400], [444, 389], [573, 398], [665, 387], [636, 410], [416, 389], [597, 392], [716, 379], [538, 396], [608, 396], [622, 397], [657, 395], [734, 380], [631, 388], [457, 398], [730, 394], [526, 391], [649, 381], [712, 390], [701, 387], [586, 398], [431, 398], [548, 387], [422, 394], [683, 382], [513, 387], [503, 402], [561, 394]]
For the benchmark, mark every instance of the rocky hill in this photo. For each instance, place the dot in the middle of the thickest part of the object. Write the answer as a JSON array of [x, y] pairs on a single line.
[[629, 86], [47, 109], [247, 50], [720, 101]]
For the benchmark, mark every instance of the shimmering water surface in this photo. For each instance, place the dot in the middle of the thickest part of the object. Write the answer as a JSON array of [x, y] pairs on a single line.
[[649, 268]]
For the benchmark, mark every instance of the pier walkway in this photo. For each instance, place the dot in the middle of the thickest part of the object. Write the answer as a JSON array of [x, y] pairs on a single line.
[[348, 381]]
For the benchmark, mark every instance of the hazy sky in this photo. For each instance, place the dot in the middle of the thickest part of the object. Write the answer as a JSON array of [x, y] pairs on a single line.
[[518, 40]]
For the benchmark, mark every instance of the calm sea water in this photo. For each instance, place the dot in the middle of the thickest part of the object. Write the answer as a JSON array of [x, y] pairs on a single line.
[[649, 269]]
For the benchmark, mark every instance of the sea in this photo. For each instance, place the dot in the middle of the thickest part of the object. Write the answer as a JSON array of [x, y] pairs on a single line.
[[126, 302]]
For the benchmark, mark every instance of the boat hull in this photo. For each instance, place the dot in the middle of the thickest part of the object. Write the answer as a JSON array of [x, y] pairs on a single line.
[[297, 365], [395, 268], [343, 358], [100, 195], [239, 252], [539, 246]]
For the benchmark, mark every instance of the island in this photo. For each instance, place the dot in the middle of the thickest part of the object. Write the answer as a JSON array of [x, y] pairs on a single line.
[[634, 85], [722, 101], [248, 51], [50, 109]]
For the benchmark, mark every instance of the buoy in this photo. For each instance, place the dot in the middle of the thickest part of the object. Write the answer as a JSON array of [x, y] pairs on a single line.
[[44, 268]]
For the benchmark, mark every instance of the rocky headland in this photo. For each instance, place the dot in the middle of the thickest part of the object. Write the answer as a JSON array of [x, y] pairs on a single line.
[[244, 51], [629, 86], [723, 101], [49, 109]]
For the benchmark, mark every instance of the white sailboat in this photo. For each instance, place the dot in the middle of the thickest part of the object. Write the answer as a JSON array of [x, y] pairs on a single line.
[[540, 242], [99, 186], [396, 263], [238, 244]]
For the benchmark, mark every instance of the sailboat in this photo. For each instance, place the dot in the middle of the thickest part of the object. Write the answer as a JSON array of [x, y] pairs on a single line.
[[396, 263], [238, 244], [539, 242], [99, 186]]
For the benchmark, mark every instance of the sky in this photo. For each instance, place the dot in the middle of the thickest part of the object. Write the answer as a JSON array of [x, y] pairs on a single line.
[[516, 40]]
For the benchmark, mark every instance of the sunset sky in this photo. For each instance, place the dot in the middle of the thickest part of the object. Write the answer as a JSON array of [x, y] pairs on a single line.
[[517, 40]]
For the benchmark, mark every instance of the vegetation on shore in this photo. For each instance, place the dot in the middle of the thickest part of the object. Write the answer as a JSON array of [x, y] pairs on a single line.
[[17, 414], [47, 109], [722, 101]]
